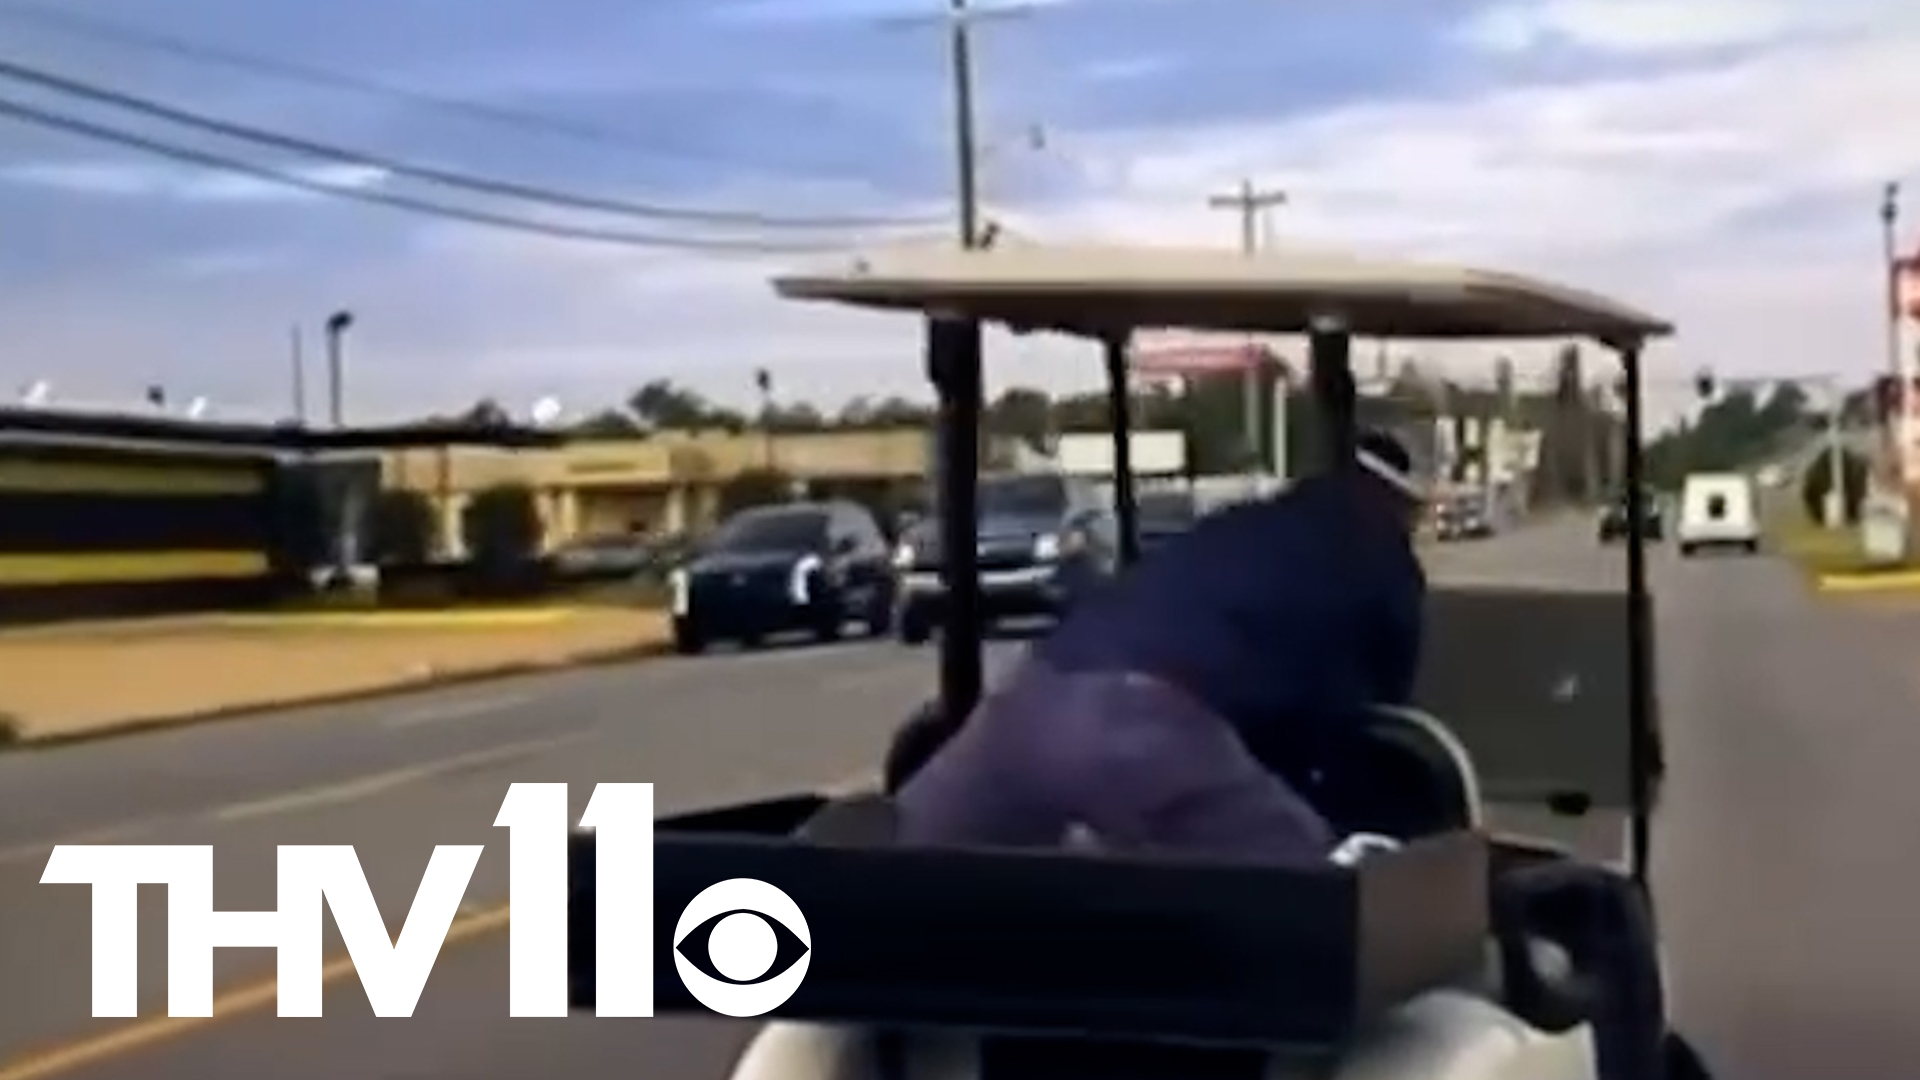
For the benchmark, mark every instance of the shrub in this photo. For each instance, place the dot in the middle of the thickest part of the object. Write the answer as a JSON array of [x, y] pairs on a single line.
[[501, 525], [400, 529], [1817, 481], [300, 537]]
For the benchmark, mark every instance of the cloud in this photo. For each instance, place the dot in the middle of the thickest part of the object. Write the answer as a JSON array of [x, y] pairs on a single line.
[[1120, 69], [774, 12], [1716, 162], [1642, 26], [120, 179]]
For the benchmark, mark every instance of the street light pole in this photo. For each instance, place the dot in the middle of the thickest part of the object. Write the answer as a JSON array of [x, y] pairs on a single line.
[[337, 326], [763, 381], [1896, 368]]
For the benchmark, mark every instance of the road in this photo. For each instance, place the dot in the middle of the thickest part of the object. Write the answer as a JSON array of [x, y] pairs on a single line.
[[1786, 857]]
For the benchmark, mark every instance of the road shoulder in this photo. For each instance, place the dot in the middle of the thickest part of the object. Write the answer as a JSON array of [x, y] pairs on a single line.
[[104, 680]]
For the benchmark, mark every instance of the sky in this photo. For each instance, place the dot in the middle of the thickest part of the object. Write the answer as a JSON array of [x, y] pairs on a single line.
[[1719, 162]]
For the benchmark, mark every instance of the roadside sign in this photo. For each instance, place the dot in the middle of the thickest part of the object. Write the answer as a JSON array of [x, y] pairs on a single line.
[[1883, 527]]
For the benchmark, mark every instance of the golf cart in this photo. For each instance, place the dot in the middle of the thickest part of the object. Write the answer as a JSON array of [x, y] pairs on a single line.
[[1462, 954]]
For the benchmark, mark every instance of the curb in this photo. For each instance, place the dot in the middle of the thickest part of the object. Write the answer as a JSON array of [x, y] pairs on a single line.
[[13, 743], [1885, 581]]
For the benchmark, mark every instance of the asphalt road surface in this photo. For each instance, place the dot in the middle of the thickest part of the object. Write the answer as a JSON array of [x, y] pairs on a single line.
[[1787, 862]]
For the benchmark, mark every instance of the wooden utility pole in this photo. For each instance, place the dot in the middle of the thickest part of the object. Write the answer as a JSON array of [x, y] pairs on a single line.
[[966, 142], [1251, 203]]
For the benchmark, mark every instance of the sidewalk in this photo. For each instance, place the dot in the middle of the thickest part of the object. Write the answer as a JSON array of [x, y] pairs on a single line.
[[78, 681]]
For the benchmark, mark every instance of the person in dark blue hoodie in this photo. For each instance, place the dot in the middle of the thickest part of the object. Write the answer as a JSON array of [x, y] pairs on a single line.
[[1170, 710]]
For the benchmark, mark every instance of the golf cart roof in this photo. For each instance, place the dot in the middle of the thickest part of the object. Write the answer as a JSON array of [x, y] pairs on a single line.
[[1102, 289]]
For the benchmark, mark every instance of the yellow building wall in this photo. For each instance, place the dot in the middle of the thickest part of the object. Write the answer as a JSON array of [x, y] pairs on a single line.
[[662, 484]]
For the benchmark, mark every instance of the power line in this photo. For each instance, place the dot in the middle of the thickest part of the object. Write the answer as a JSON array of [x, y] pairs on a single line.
[[37, 117], [62, 84], [89, 27]]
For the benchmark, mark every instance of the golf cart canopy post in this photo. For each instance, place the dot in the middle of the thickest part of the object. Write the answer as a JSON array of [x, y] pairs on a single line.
[[1109, 292]]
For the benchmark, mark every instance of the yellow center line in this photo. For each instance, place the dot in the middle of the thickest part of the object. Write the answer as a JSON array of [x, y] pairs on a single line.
[[237, 1002]]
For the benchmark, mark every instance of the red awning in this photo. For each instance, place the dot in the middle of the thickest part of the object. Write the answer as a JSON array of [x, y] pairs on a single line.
[[1906, 286], [1175, 361]]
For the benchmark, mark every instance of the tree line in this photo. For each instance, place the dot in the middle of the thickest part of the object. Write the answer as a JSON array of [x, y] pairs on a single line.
[[1579, 431], [1748, 427], [1576, 414]]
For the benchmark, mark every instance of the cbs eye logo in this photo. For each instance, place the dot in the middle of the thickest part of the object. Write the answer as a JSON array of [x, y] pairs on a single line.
[[742, 947]]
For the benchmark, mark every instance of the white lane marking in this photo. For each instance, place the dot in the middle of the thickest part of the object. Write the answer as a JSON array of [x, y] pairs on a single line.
[[438, 712], [111, 834], [354, 790]]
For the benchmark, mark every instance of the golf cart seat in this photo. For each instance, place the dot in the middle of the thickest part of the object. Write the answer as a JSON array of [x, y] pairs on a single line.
[[1405, 775]]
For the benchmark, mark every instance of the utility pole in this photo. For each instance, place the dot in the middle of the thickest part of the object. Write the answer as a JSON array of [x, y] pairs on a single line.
[[966, 142], [299, 377], [1251, 203], [1896, 363]]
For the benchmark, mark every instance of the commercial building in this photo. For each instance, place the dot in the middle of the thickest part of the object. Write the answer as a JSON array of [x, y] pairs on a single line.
[[117, 514], [665, 483]]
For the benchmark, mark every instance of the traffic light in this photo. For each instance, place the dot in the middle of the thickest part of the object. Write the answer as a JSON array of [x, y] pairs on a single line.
[[1704, 385]]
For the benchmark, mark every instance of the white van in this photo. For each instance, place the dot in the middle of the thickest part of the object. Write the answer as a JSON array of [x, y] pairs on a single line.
[[1718, 510]]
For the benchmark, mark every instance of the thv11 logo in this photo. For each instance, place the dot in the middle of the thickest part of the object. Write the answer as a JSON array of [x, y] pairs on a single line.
[[729, 941]]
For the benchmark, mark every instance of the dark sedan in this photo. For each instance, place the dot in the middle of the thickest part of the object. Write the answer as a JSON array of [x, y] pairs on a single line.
[[1613, 519], [810, 567], [1463, 517], [1043, 539]]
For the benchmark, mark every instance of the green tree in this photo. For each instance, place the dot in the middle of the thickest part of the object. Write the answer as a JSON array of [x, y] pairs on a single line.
[[793, 417], [662, 404], [607, 424], [486, 413], [298, 506], [1734, 431], [1022, 413], [400, 528], [754, 487], [1816, 480], [502, 528]]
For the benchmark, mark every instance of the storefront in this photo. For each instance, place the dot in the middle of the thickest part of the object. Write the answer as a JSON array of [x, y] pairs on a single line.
[[122, 515]]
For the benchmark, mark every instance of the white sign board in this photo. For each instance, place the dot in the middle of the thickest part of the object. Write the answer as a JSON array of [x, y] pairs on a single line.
[[1883, 527], [1155, 453]]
